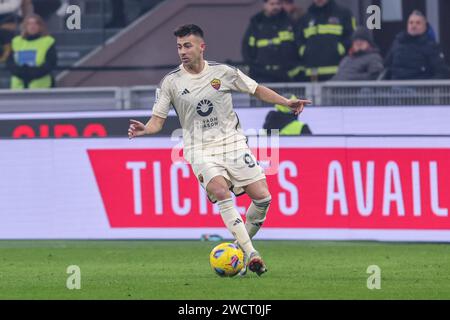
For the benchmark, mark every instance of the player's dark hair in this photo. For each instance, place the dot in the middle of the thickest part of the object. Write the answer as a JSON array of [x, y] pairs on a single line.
[[187, 30], [418, 13]]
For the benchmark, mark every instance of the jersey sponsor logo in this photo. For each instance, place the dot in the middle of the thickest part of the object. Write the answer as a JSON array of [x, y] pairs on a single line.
[[208, 123], [216, 83], [204, 108]]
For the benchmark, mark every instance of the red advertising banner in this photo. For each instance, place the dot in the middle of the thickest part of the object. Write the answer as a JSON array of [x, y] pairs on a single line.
[[355, 188]]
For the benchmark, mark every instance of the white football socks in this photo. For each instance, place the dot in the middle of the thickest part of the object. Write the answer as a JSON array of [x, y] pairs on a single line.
[[233, 221], [256, 214]]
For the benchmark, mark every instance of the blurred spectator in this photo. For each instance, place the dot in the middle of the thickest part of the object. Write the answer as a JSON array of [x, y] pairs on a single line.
[[9, 10], [33, 56], [46, 8], [268, 46], [363, 62], [323, 37], [414, 55], [26, 8], [5, 44], [284, 120], [9, 13], [431, 33], [293, 11], [9, 19]]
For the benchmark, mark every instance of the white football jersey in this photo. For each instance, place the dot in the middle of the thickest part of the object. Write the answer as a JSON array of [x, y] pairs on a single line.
[[204, 107]]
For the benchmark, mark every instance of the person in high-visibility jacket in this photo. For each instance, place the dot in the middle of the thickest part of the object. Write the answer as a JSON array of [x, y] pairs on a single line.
[[323, 38], [5, 44], [33, 56], [268, 46], [285, 121]]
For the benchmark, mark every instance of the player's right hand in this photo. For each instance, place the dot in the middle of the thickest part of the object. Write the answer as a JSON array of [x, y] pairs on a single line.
[[297, 105], [136, 129]]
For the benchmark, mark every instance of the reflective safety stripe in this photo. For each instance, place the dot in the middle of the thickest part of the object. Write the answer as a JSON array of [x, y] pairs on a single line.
[[282, 108], [283, 36], [353, 23], [301, 51], [286, 35], [262, 43], [292, 129], [334, 29], [285, 109], [272, 67], [331, 29], [321, 71], [311, 31], [251, 41], [341, 49], [294, 72]]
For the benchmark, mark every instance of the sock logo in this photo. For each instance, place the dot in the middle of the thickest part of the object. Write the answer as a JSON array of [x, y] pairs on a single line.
[[237, 221]]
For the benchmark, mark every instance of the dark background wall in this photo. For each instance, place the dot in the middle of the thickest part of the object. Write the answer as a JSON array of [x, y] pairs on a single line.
[[149, 41]]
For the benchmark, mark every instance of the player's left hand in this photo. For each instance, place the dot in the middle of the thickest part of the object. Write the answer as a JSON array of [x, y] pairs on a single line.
[[297, 105]]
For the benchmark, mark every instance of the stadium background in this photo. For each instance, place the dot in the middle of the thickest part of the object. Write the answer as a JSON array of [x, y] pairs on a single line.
[[377, 166]]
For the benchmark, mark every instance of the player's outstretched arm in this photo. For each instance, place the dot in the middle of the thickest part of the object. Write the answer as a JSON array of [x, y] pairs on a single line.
[[137, 128], [267, 95]]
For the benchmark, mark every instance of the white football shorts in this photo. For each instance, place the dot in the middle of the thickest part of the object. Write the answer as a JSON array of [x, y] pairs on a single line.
[[239, 168]]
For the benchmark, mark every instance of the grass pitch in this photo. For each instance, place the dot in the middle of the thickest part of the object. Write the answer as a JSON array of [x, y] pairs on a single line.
[[180, 270]]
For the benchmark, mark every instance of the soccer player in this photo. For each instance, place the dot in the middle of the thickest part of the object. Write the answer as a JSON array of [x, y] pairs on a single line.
[[214, 143]]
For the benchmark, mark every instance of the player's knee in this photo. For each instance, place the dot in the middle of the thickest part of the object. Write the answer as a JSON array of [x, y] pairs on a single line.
[[219, 189], [263, 198], [220, 193]]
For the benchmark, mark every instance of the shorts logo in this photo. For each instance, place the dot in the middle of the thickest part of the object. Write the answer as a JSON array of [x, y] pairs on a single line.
[[249, 161], [204, 108], [216, 84]]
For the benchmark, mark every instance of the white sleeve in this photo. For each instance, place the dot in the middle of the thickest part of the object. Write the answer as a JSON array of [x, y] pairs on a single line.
[[162, 100], [243, 83]]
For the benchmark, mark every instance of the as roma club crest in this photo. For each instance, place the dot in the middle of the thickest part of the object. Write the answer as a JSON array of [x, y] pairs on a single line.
[[216, 84]]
